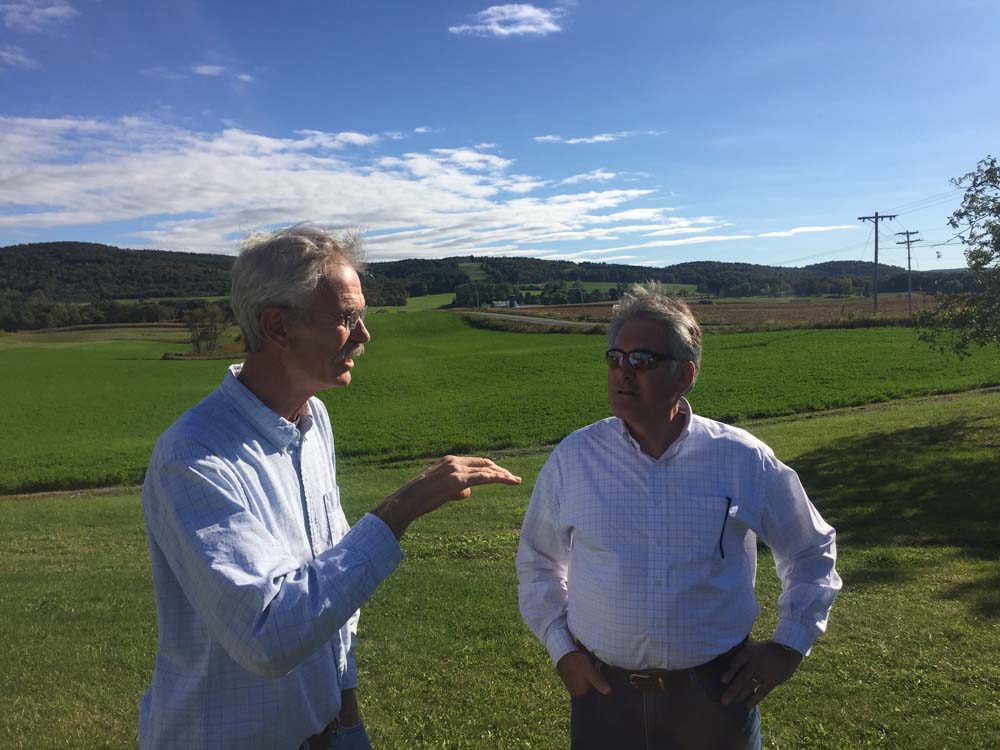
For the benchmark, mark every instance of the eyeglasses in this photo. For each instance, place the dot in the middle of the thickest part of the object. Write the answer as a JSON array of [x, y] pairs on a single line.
[[349, 320], [639, 359]]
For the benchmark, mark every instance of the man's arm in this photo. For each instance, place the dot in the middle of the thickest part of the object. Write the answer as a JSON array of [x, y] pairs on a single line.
[[805, 553], [542, 562], [268, 610], [265, 608], [451, 478]]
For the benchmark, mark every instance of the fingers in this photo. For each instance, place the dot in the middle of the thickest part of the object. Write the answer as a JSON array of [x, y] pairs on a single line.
[[579, 675], [736, 664], [468, 471], [596, 679]]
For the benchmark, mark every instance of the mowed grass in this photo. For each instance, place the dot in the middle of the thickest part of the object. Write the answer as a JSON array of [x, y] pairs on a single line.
[[84, 411], [445, 662], [427, 302]]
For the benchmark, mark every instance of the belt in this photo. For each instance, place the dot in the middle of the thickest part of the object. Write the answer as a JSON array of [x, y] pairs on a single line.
[[661, 679]]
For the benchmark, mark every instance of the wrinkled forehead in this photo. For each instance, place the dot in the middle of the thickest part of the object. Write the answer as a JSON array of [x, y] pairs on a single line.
[[340, 287]]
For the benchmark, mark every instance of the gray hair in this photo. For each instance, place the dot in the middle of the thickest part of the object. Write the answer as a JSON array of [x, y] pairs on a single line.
[[283, 268], [651, 301]]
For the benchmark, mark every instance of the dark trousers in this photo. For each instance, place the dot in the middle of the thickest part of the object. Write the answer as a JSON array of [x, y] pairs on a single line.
[[685, 717]]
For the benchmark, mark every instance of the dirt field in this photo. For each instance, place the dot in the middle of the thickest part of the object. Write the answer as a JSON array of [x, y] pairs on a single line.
[[759, 312]]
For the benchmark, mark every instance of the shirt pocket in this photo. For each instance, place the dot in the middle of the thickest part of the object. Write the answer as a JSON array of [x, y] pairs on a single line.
[[336, 520], [697, 527]]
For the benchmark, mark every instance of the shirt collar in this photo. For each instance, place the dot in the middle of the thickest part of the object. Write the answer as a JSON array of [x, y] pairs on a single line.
[[275, 429], [674, 447]]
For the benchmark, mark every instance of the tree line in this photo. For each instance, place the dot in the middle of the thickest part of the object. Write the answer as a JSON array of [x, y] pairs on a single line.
[[56, 284]]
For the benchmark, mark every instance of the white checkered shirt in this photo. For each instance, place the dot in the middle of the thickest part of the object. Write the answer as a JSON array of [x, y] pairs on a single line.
[[650, 563], [258, 577]]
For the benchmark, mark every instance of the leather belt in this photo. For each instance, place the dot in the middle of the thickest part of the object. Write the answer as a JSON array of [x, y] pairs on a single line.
[[662, 679]]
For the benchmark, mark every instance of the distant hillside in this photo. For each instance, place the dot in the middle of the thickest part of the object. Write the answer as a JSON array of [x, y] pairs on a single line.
[[851, 268], [62, 272], [87, 272]]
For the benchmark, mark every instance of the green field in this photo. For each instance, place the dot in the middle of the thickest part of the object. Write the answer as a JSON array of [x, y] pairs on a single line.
[[83, 409], [445, 662]]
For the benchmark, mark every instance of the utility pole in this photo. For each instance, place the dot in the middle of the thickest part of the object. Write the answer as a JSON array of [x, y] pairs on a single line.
[[875, 220], [909, 273]]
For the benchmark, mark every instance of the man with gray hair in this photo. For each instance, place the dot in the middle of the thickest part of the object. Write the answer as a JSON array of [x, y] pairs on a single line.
[[257, 575], [638, 554]]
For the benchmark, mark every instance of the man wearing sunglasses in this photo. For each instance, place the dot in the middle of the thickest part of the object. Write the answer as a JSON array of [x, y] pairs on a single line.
[[258, 577], [638, 554]]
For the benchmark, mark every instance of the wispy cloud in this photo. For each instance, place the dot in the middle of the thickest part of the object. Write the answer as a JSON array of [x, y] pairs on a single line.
[[516, 19], [424, 129], [599, 138], [199, 191], [595, 175], [14, 57], [35, 15], [209, 70], [806, 230]]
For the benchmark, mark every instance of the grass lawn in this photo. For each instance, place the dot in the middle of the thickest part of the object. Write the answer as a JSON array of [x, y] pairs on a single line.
[[84, 409], [445, 662]]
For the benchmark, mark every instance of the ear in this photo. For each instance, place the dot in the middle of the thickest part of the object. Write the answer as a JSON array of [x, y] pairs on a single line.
[[687, 375], [273, 323]]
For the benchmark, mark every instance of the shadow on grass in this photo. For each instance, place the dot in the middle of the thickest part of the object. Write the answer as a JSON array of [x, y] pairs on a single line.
[[917, 487]]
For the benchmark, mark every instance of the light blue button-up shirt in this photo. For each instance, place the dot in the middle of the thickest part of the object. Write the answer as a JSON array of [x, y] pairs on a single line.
[[258, 577]]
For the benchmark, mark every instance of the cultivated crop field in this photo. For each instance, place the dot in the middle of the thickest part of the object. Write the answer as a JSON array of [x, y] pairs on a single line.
[[761, 312], [909, 478]]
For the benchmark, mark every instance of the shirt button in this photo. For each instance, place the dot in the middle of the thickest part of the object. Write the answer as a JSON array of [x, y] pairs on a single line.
[[659, 542]]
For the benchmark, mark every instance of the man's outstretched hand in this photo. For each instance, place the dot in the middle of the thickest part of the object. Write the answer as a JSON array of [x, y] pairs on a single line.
[[579, 675], [756, 670], [451, 478]]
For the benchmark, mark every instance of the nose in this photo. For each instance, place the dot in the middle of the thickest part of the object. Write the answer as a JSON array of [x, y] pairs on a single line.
[[360, 333]]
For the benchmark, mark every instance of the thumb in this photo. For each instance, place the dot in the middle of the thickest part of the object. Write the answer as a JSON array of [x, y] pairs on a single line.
[[596, 679]]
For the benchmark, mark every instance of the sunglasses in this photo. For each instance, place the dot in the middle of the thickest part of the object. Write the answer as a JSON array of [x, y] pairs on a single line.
[[640, 359]]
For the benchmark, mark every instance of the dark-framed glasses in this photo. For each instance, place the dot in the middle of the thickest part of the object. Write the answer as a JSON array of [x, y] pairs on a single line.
[[638, 359]]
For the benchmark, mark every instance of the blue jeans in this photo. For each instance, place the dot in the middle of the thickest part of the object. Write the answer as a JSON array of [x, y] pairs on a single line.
[[689, 717]]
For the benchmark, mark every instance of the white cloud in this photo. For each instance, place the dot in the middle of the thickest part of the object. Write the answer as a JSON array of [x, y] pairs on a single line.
[[14, 57], [197, 191], [35, 15], [423, 129], [209, 70], [805, 230], [319, 139], [599, 138], [595, 175], [516, 19]]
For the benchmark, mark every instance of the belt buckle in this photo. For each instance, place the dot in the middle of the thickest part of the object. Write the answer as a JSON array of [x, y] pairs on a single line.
[[646, 681]]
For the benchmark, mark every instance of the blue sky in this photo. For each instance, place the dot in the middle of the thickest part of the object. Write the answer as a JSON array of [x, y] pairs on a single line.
[[636, 132]]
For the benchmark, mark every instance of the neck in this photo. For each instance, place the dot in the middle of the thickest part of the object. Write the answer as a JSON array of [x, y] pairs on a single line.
[[267, 379], [655, 438]]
